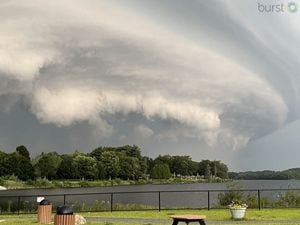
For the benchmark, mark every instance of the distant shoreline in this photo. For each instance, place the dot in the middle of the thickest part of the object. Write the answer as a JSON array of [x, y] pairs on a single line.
[[289, 174], [45, 183]]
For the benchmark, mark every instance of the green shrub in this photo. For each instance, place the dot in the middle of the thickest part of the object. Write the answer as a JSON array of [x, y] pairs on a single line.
[[234, 193], [100, 206], [288, 199], [120, 206], [161, 171], [251, 200], [43, 182], [84, 183]]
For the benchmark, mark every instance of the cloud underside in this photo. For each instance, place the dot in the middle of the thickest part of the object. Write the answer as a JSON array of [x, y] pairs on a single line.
[[72, 66]]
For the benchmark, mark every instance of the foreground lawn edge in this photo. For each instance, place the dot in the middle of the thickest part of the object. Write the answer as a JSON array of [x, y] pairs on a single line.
[[270, 215], [31, 222], [216, 214]]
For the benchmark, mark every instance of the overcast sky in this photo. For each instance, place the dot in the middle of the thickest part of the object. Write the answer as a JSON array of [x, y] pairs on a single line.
[[210, 79]]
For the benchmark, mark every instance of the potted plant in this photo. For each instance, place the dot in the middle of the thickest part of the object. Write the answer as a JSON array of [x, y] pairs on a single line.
[[237, 209]]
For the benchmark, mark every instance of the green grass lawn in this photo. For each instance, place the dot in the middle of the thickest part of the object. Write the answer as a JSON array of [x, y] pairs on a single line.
[[33, 222], [273, 216], [216, 214]]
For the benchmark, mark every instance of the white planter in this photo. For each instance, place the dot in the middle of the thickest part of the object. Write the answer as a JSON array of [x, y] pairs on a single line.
[[238, 213]]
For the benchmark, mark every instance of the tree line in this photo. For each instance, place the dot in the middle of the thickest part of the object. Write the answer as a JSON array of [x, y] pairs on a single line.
[[293, 173], [124, 162]]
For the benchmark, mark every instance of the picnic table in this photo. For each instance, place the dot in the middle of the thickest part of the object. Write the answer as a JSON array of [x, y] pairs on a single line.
[[188, 218]]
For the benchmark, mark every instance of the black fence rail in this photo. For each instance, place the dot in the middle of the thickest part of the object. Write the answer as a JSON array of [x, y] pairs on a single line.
[[153, 200]]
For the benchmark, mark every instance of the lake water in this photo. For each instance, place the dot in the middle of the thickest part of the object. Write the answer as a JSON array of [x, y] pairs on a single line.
[[179, 195]]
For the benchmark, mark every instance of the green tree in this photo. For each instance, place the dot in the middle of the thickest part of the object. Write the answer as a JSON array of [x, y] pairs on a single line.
[[163, 159], [85, 166], [22, 150], [19, 166], [101, 173], [203, 167], [207, 173], [218, 169], [145, 164], [48, 164], [96, 153], [131, 151], [3, 167], [182, 165], [66, 168], [214, 168], [194, 168], [161, 171], [208, 168], [222, 170], [130, 168], [111, 164]]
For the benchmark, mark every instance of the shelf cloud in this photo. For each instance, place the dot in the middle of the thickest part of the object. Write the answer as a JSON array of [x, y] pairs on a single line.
[[74, 62]]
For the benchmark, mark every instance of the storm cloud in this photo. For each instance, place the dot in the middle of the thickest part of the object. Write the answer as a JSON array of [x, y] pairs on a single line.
[[102, 62]]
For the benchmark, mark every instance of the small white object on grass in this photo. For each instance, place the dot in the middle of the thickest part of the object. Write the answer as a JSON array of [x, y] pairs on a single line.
[[79, 220]]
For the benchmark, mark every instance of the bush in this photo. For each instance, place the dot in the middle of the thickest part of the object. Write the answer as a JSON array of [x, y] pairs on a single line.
[[161, 171], [12, 182], [43, 182], [100, 206], [233, 194], [288, 199], [252, 200], [84, 183]]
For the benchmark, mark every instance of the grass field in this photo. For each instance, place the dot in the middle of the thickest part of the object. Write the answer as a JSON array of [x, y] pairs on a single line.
[[217, 214], [106, 223], [253, 217]]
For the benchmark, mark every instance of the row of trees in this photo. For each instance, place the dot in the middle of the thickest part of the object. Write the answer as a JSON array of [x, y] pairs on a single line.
[[293, 173], [125, 162], [185, 166]]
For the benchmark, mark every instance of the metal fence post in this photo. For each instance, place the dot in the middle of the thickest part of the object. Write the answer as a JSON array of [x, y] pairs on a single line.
[[159, 201], [111, 201], [64, 199], [19, 201], [258, 195], [208, 200]]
